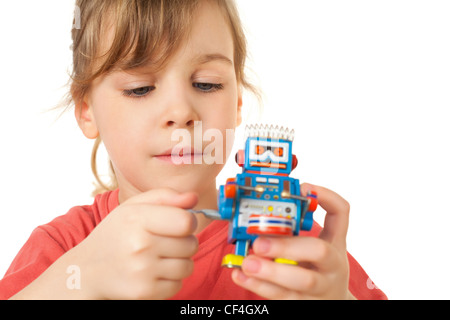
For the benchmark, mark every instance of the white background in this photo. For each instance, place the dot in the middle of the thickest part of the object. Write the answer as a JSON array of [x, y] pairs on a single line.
[[365, 84]]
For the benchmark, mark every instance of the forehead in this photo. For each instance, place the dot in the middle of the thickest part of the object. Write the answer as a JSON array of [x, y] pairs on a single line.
[[211, 32], [204, 35]]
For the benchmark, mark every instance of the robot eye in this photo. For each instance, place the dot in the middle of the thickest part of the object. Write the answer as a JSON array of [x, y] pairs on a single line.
[[278, 152], [259, 150]]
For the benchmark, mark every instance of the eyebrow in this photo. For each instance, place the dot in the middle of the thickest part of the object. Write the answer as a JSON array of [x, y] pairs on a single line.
[[206, 58], [201, 59]]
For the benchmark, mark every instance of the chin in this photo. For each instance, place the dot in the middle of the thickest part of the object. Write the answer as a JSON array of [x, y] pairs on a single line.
[[190, 179]]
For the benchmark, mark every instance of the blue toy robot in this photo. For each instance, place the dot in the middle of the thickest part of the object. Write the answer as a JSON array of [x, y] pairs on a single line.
[[263, 199]]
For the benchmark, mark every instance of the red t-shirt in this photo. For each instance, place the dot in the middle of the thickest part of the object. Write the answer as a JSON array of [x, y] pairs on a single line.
[[209, 280]]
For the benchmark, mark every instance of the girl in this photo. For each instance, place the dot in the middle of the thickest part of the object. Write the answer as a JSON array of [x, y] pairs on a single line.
[[142, 71]]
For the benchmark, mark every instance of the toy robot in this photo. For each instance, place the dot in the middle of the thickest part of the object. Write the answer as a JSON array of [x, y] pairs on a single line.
[[263, 200]]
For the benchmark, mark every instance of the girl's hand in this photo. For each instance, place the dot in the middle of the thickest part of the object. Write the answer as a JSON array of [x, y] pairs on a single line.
[[322, 272], [142, 250]]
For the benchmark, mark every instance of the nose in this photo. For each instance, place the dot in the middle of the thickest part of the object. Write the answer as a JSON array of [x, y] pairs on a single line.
[[171, 123], [179, 112]]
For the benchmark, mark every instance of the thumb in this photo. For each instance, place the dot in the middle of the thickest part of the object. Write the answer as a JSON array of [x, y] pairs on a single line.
[[186, 200], [337, 217], [166, 197]]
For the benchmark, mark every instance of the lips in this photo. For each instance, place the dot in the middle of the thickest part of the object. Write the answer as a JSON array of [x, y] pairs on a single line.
[[180, 152], [179, 156]]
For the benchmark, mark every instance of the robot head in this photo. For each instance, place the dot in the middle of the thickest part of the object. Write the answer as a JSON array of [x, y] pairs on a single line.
[[268, 150]]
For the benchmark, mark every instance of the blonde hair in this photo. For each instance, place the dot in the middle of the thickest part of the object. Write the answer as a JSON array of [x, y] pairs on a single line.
[[147, 32]]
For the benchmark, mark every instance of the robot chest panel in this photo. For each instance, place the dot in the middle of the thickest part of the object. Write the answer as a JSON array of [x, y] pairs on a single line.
[[255, 207]]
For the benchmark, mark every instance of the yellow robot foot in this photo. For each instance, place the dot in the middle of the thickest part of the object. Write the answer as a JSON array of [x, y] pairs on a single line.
[[232, 261], [286, 261]]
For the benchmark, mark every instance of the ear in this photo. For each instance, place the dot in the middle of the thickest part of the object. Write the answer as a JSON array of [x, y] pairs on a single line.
[[239, 108], [85, 118]]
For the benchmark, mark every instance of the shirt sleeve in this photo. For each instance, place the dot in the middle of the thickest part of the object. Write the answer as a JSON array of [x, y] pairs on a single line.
[[37, 254], [49, 242], [360, 284]]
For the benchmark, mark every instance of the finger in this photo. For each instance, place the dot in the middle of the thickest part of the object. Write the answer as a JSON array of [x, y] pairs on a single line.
[[174, 269], [165, 289], [263, 288], [305, 250], [287, 276], [167, 197], [170, 247], [163, 220], [337, 217]]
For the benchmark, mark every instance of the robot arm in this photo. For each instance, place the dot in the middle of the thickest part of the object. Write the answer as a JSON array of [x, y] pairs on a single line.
[[309, 205], [211, 214], [225, 201]]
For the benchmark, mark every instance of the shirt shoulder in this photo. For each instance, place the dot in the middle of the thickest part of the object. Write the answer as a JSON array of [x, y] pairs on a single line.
[[70, 229]]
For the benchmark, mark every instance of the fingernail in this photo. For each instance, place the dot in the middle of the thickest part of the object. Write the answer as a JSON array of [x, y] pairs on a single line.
[[251, 265], [241, 277], [261, 246]]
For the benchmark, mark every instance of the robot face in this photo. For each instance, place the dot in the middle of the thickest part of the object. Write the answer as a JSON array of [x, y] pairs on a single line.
[[269, 153]]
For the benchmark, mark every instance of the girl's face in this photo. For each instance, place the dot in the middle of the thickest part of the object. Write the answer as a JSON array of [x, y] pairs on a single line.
[[137, 112]]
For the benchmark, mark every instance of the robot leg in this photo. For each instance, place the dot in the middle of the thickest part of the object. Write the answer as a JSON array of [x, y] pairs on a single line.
[[235, 260]]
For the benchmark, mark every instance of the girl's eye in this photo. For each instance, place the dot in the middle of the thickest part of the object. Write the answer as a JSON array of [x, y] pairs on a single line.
[[207, 87], [138, 92]]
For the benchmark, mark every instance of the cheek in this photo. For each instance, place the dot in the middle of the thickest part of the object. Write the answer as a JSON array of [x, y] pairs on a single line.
[[223, 114], [121, 132], [125, 142], [220, 124]]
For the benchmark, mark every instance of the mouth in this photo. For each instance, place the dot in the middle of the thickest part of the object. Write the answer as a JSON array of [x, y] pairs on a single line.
[[185, 155]]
